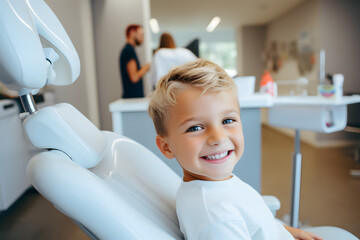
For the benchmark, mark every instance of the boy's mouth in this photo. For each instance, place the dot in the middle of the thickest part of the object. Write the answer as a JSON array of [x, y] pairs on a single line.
[[217, 156]]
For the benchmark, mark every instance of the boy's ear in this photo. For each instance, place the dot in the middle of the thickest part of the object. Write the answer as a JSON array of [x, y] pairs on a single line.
[[163, 146]]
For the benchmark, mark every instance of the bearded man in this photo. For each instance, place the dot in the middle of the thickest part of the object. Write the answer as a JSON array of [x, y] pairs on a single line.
[[130, 68]]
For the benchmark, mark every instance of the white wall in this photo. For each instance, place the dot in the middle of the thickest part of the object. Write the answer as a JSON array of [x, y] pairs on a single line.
[[111, 17], [287, 28], [239, 49], [76, 17], [340, 37], [253, 43], [334, 27]]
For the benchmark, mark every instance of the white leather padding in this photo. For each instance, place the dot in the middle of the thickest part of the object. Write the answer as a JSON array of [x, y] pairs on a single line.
[[129, 195], [63, 127]]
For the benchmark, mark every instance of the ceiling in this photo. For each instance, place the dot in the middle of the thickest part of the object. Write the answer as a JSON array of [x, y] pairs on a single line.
[[195, 15]]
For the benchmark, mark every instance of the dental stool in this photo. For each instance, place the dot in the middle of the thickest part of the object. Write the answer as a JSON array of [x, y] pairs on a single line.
[[111, 186]]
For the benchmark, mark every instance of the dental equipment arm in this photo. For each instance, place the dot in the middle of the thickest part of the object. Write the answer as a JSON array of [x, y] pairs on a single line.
[[36, 51], [26, 28]]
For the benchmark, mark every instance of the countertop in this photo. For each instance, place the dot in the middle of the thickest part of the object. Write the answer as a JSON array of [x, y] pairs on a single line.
[[256, 100]]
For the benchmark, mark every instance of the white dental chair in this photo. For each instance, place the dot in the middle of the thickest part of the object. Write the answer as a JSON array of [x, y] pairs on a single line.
[[113, 187], [130, 194]]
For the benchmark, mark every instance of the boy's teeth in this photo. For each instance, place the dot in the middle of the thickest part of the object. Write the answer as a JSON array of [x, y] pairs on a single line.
[[217, 156]]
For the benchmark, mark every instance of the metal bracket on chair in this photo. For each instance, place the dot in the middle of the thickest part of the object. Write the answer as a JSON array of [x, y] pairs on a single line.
[[28, 103]]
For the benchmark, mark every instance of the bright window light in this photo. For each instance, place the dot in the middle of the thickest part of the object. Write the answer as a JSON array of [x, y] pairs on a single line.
[[154, 25], [221, 53], [213, 24]]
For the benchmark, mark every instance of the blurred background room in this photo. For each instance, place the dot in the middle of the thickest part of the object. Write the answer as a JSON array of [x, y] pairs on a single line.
[[289, 39]]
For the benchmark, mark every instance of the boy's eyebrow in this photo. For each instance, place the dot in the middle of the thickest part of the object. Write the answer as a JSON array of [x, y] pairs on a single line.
[[224, 113], [187, 120], [231, 111]]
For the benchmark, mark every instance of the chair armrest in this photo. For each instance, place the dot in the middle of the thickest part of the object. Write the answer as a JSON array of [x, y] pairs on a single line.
[[272, 202]]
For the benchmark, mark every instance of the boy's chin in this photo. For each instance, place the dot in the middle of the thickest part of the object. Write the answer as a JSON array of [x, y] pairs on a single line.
[[221, 178], [188, 176], [219, 175]]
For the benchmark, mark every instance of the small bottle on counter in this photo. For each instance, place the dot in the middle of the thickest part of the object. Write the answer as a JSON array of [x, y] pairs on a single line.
[[338, 81]]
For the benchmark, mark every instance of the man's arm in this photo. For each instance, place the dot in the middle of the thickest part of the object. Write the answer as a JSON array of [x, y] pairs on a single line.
[[134, 74]]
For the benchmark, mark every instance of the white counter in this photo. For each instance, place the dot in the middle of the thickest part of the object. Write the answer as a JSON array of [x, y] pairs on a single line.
[[311, 113], [140, 104], [314, 101], [256, 100]]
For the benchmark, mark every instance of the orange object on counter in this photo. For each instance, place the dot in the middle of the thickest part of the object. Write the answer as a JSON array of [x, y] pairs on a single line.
[[267, 84]]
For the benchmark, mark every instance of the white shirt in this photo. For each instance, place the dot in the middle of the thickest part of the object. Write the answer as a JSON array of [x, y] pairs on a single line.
[[228, 209], [166, 58]]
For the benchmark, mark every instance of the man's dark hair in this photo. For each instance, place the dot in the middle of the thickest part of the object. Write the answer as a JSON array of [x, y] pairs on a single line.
[[130, 28]]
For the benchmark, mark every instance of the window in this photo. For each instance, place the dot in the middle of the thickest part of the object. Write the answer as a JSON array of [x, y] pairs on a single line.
[[221, 53]]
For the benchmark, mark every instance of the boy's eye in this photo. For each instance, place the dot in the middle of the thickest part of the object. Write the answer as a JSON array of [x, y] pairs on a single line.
[[194, 129], [227, 121]]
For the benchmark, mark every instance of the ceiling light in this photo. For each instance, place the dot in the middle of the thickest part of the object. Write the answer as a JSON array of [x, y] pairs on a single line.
[[213, 24], [154, 25]]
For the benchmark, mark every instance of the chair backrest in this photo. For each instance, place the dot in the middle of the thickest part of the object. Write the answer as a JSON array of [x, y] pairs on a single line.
[[143, 180], [130, 194]]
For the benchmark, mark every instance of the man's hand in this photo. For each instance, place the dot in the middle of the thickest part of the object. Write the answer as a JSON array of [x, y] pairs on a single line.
[[147, 67], [134, 74], [302, 235]]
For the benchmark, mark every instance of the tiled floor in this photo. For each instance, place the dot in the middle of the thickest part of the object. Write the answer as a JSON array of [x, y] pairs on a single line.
[[32, 217], [329, 196]]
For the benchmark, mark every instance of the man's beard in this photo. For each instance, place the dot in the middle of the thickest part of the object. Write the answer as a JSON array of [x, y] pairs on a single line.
[[137, 42]]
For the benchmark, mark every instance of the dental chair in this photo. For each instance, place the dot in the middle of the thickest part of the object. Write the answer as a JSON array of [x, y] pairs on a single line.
[[111, 186]]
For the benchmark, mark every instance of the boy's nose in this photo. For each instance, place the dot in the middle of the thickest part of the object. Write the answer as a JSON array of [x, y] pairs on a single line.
[[216, 136]]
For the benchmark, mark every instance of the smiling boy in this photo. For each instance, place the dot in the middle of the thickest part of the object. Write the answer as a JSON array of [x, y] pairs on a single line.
[[205, 150], [196, 114]]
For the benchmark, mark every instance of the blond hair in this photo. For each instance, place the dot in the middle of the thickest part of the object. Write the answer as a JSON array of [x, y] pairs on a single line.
[[200, 73]]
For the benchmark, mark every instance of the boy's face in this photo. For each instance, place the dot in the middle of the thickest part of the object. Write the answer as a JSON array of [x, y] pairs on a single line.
[[204, 134]]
